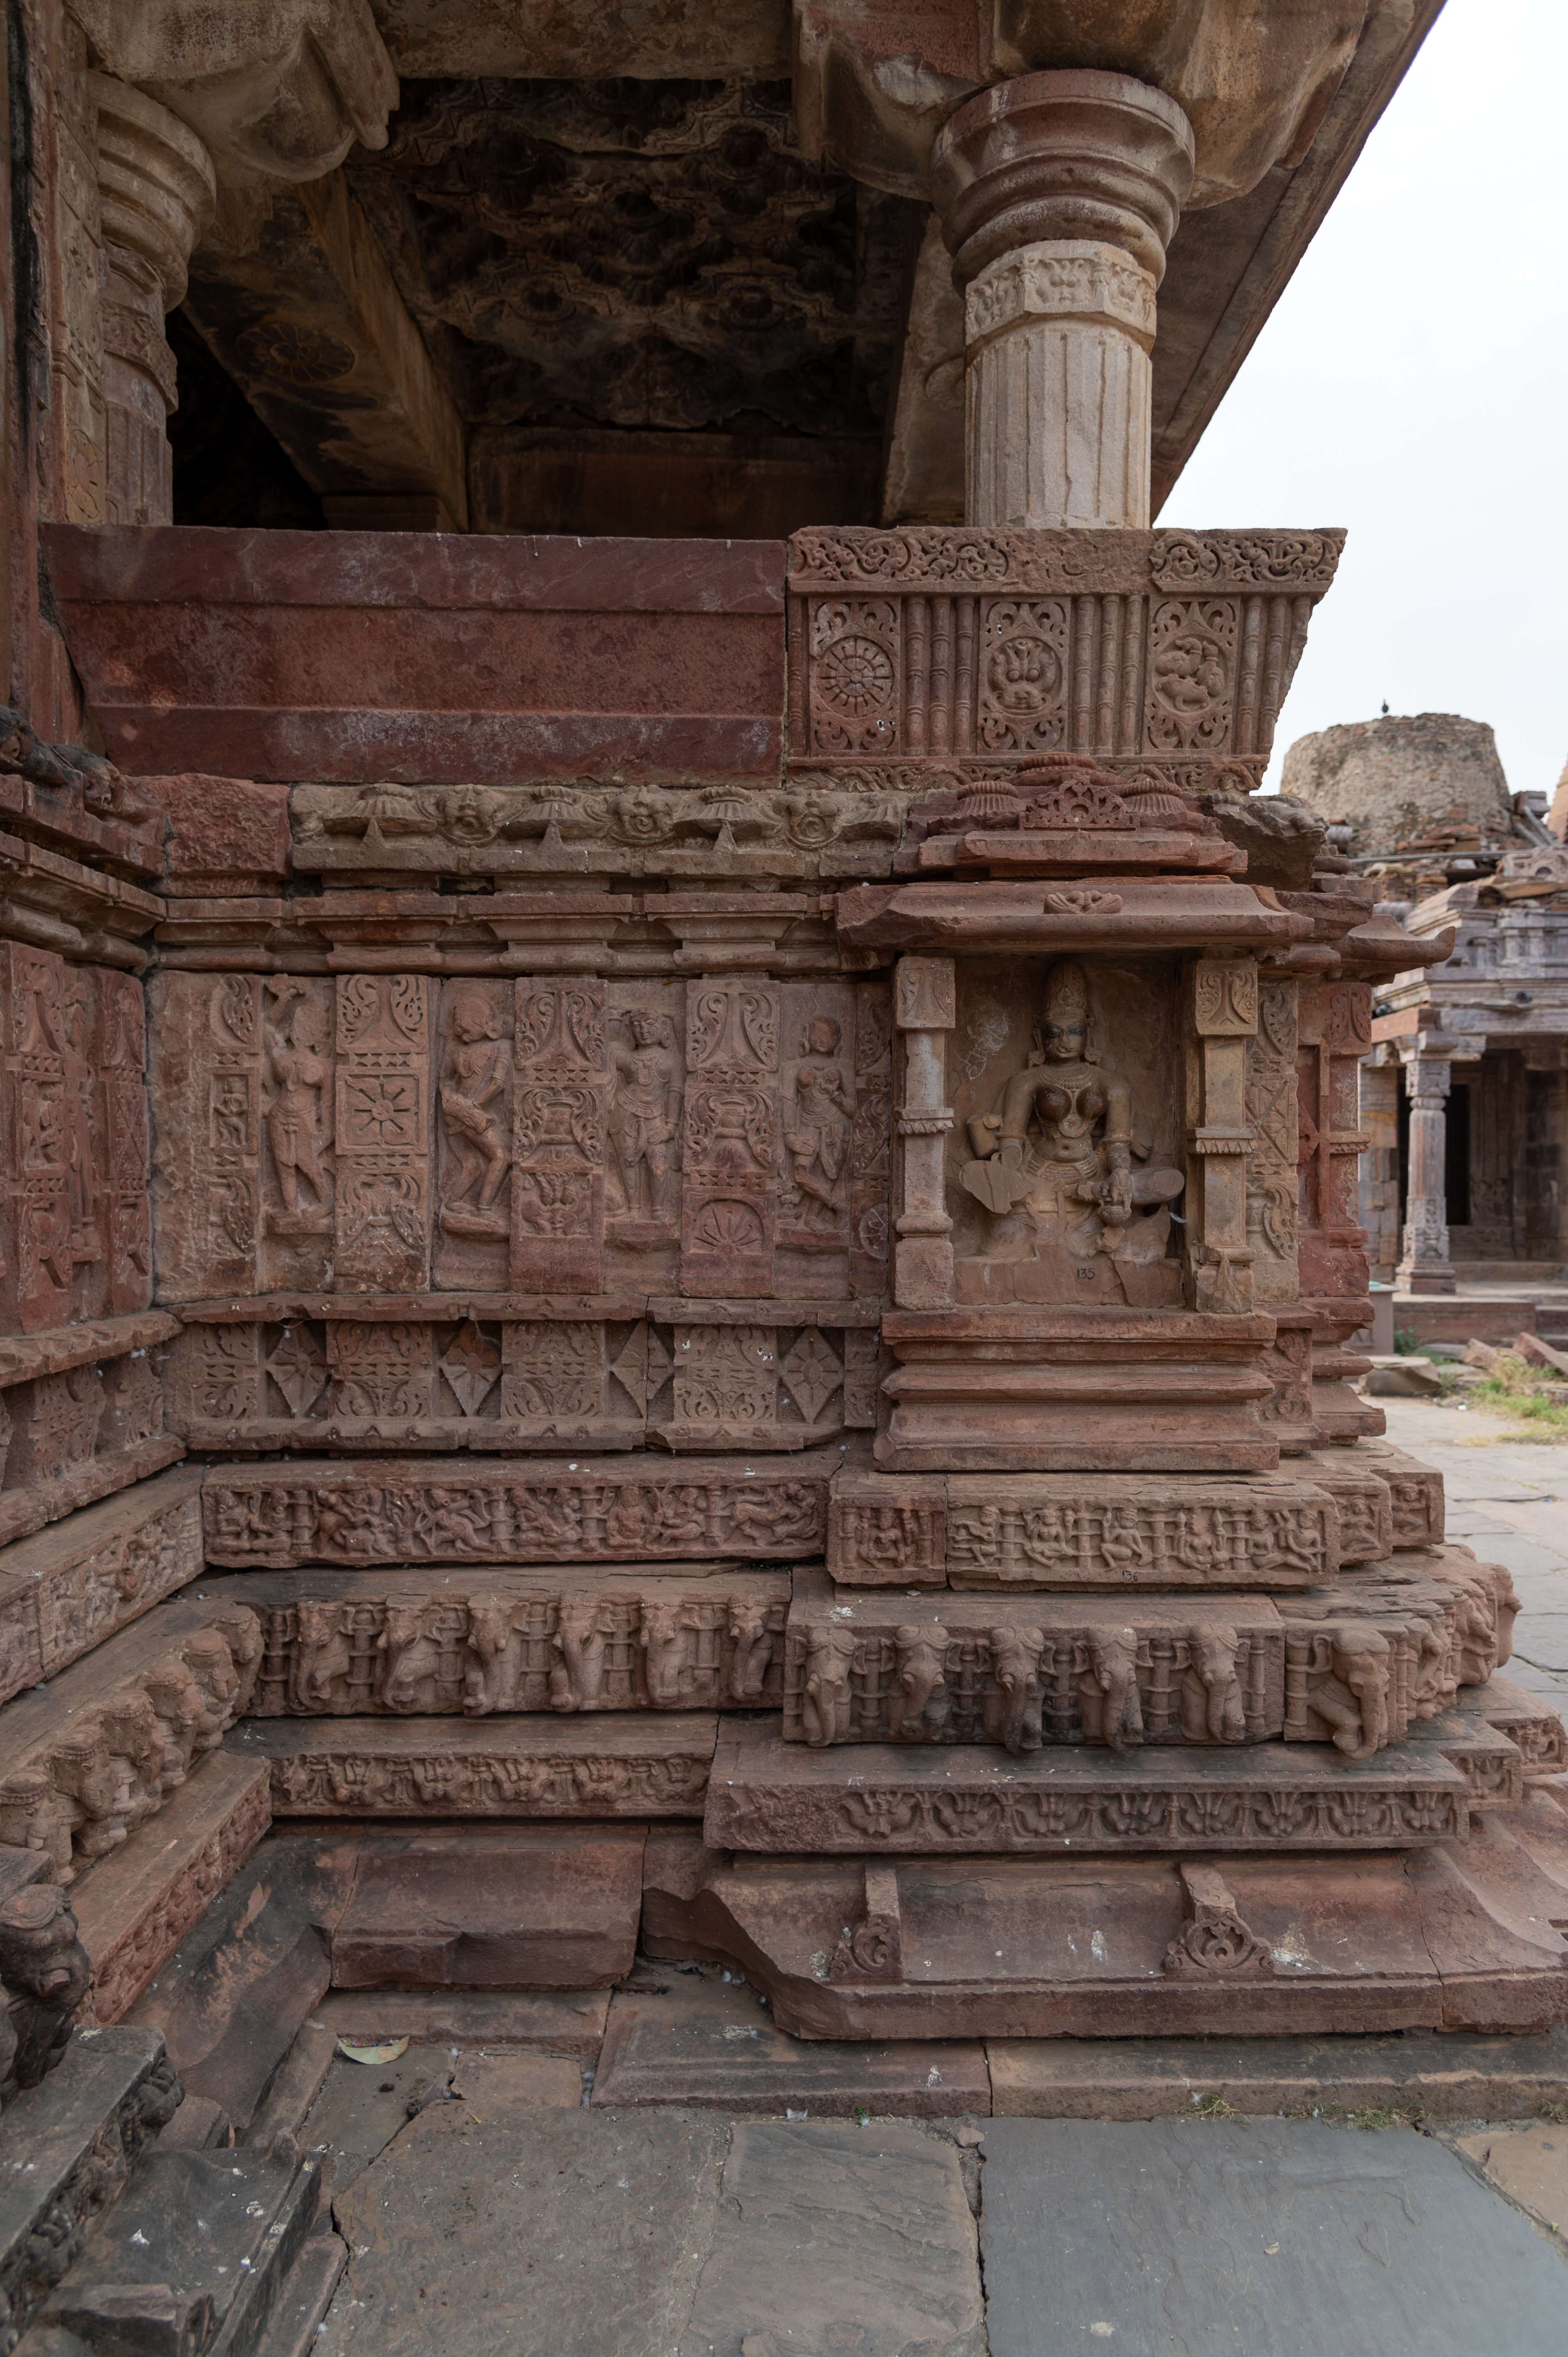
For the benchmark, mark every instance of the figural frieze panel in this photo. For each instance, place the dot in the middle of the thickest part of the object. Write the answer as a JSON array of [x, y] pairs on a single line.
[[722, 1137]]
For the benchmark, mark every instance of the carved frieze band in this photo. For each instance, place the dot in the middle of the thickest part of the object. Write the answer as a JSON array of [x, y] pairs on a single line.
[[78, 1776], [371, 1766], [1356, 1666], [559, 1643], [63, 1592], [543, 1372], [283, 1515], [382, 1132]]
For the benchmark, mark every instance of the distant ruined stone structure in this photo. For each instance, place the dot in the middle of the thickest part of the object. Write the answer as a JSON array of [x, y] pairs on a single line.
[[680, 1240], [1468, 1166]]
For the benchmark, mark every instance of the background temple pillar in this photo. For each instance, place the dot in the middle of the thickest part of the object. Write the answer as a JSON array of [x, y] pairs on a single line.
[[155, 189], [1424, 1265], [1059, 194]]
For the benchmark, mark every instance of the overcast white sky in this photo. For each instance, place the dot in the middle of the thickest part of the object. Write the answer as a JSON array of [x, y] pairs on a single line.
[[1413, 386]]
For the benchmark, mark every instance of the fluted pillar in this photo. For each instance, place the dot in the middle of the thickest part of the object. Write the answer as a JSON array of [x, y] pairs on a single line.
[[155, 189], [1424, 1265], [1057, 195]]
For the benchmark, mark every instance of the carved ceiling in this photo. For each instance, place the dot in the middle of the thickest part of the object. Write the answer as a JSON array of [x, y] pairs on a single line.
[[636, 254]]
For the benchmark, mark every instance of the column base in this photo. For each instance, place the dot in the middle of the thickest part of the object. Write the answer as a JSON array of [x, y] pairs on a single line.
[[1425, 1280]]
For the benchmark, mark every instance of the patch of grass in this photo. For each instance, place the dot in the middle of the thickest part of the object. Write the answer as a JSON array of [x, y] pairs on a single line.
[[1371, 2116], [1212, 2107], [1407, 1345], [1513, 1387]]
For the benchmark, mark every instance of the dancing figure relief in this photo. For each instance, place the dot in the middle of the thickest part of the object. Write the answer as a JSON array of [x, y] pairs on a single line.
[[475, 1074]]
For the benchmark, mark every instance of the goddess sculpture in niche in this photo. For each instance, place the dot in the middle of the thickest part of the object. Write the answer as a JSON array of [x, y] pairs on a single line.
[[1071, 1215]]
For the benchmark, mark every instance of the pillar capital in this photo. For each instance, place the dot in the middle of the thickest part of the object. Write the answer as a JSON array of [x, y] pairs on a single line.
[[1075, 157], [156, 182]]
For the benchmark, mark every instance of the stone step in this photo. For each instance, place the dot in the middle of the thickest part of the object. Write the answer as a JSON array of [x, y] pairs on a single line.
[[1462, 1934], [492, 1907], [777, 1797], [568, 1638], [198, 2257], [1443, 2075], [230, 1999], [678, 2037], [73, 2142], [654, 1764], [547, 2021]]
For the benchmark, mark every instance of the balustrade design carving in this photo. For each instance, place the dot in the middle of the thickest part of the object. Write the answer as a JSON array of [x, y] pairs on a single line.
[[539, 1373], [929, 643]]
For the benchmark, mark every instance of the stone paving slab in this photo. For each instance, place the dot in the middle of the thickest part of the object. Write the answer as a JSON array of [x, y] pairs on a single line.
[[1435, 2076], [1272, 2237], [1530, 2165], [551, 2021], [831, 2239], [557, 2235], [703, 2041]]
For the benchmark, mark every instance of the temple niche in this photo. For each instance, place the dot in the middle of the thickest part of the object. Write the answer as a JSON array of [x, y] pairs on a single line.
[[1072, 1175]]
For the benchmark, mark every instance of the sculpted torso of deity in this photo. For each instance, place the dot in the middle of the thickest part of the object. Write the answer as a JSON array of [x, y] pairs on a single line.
[[1072, 1214], [645, 1115]]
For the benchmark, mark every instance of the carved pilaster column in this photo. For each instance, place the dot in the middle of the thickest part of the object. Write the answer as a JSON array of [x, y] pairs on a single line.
[[924, 1010], [1057, 195], [1424, 1265], [156, 188], [1225, 1021]]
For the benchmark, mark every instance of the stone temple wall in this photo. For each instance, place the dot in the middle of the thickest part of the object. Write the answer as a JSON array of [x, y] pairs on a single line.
[[769, 1329]]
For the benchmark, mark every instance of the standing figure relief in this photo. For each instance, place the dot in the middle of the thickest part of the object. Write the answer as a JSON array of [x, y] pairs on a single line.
[[295, 1128], [644, 1120], [818, 1127], [476, 1073]]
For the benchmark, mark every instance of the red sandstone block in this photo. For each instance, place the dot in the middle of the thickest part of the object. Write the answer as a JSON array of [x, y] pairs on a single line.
[[227, 835], [369, 655], [492, 1907]]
